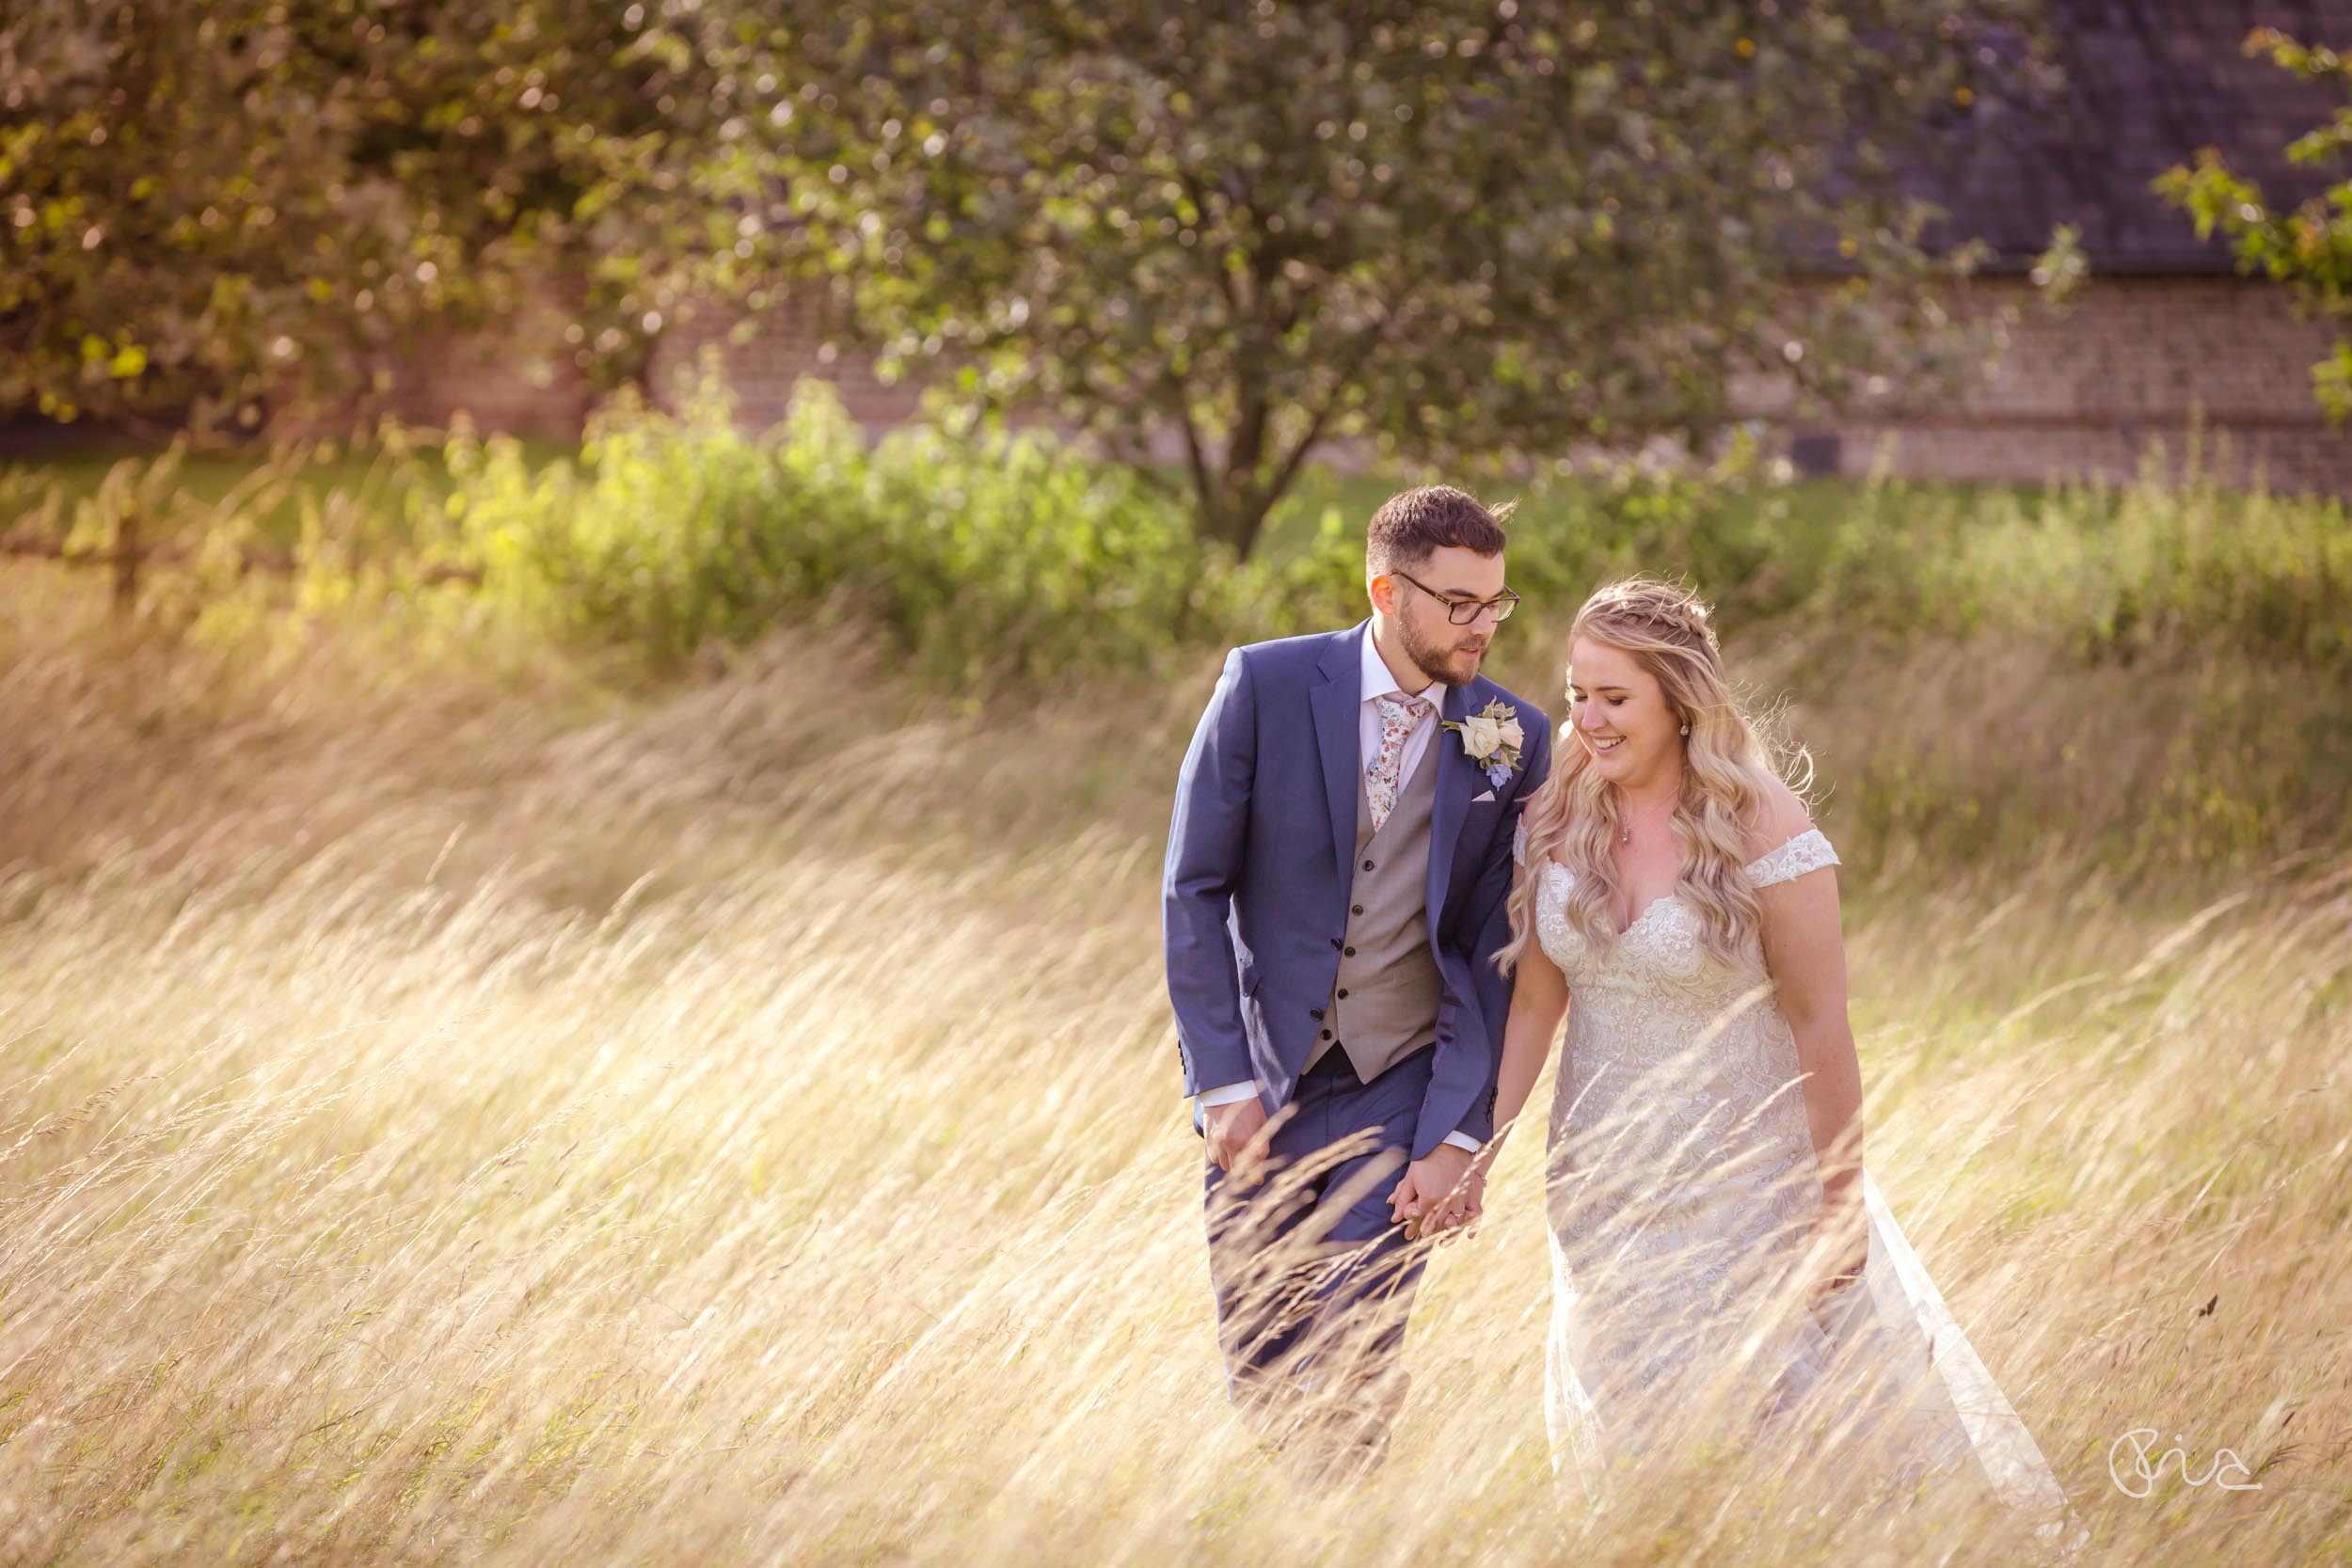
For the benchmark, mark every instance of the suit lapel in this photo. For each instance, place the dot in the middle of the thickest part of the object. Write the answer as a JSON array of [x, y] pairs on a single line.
[[1455, 774], [1335, 704]]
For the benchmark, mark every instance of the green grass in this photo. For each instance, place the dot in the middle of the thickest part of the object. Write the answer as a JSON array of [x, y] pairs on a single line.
[[2160, 673], [375, 473]]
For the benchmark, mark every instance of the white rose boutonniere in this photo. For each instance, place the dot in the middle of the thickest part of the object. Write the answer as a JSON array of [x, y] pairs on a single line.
[[1491, 737]]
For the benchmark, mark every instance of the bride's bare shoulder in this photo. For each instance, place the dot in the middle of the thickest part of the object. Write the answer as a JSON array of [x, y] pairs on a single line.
[[1780, 817]]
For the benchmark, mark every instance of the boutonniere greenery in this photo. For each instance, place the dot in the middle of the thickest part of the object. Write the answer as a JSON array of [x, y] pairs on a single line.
[[1491, 737]]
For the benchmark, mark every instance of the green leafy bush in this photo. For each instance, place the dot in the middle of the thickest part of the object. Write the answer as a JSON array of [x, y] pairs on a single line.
[[977, 556], [2112, 573], [987, 554], [982, 554], [2162, 668]]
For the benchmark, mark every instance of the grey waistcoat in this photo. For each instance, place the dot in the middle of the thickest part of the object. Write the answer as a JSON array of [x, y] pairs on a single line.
[[1385, 1002]]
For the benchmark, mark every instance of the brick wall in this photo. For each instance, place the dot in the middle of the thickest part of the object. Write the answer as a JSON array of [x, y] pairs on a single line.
[[502, 387], [2130, 367], [522, 382], [762, 373]]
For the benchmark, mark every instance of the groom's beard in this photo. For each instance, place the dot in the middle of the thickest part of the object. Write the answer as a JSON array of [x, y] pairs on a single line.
[[1446, 661]]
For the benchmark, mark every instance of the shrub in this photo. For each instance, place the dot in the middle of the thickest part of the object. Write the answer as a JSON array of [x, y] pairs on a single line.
[[981, 556]]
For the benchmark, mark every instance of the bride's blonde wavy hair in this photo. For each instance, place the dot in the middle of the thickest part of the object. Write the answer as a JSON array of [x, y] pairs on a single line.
[[1727, 776]]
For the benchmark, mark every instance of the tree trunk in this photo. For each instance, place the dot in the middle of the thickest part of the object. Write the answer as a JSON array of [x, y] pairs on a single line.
[[1231, 509], [1234, 496]]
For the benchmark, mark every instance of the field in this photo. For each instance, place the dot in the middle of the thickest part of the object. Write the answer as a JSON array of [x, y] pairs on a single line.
[[467, 1095]]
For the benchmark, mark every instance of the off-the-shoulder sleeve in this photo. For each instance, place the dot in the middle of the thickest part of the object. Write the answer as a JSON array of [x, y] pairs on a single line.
[[1808, 851], [1518, 842]]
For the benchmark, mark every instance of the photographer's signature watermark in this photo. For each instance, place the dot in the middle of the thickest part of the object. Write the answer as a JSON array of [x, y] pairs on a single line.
[[2134, 1475]]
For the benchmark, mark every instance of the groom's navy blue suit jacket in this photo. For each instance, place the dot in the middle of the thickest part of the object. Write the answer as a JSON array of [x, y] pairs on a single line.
[[1254, 898]]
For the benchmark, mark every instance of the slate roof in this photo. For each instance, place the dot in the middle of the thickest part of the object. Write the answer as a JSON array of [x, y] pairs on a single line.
[[2146, 83]]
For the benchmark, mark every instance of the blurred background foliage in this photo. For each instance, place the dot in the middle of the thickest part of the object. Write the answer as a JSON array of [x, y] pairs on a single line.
[[1154, 272], [2160, 668], [2307, 245], [209, 209], [1459, 232], [1456, 233]]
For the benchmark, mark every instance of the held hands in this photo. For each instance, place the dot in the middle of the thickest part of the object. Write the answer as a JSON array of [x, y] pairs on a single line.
[[1440, 1193], [1838, 1248]]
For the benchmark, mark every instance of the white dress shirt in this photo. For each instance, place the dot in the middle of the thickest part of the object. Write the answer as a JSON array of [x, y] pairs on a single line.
[[1377, 683]]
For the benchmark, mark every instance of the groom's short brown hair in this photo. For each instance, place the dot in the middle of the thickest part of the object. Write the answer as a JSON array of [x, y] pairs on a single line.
[[1412, 523]]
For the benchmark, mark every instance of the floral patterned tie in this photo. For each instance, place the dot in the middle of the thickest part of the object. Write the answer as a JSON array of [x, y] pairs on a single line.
[[1398, 715]]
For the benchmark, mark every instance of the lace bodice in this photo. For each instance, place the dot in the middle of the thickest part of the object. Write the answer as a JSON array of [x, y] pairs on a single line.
[[1659, 959], [1680, 1147]]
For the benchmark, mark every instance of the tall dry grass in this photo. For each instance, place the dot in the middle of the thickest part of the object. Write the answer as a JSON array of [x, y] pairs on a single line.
[[500, 1115]]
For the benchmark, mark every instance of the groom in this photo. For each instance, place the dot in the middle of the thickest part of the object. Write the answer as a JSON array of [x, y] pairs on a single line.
[[1333, 898]]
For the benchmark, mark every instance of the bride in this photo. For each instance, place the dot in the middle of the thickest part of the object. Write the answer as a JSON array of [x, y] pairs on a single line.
[[1718, 1252]]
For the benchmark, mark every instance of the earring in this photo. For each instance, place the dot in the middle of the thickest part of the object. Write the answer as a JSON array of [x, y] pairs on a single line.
[[1686, 726]]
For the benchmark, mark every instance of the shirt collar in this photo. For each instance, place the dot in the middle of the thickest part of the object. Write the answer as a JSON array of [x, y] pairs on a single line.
[[1379, 682]]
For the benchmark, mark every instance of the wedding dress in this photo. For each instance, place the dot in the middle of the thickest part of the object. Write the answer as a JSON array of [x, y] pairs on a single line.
[[1680, 1184]]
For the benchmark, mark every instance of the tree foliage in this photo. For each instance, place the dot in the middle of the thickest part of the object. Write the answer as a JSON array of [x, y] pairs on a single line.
[[1456, 229], [2308, 245], [206, 202], [1214, 235]]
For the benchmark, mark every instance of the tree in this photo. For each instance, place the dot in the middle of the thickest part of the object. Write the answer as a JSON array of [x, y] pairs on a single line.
[[204, 203], [2309, 247], [1462, 230]]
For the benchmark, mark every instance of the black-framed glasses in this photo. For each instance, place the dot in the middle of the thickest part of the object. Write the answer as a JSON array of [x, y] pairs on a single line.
[[1463, 611]]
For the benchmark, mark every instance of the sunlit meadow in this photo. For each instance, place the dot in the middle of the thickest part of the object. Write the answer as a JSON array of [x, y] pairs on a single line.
[[465, 1097]]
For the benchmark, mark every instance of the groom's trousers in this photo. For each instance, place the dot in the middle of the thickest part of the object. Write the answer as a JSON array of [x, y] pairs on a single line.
[[1313, 1279]]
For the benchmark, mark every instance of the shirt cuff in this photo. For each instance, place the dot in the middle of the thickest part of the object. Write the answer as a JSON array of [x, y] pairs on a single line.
[[1229, 1094], [1461, 1141]]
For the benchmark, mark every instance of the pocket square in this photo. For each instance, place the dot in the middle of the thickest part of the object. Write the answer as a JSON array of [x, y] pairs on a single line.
[[1487, 795]]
